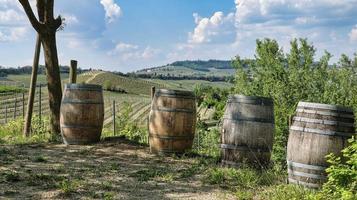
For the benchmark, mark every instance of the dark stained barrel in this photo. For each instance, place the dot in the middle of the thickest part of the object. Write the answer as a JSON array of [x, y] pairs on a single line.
[[82, 113], [316, 131], [247, 131], [172, 121]]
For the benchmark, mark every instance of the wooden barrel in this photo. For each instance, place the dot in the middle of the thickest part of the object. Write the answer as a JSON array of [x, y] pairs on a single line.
[[172, 121], [316, 131], [82, 113], [247, 131]]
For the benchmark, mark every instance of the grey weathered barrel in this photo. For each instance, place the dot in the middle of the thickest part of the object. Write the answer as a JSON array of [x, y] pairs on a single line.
[[172, 121], [316, 131], [82, 113], [247, 131]]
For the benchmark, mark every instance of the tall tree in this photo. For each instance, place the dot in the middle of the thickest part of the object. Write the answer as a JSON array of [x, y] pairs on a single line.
[[47, 29]]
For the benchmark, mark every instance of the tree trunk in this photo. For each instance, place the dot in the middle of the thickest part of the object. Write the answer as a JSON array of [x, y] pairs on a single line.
[[54, 81]]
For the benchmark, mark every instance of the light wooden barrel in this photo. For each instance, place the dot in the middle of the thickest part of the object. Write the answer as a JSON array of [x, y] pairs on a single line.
[[316, 131], [247, 131], [172, 121], [82, 113]]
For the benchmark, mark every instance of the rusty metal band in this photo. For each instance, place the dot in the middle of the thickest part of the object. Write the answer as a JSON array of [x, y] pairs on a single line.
[[87, 87], [80, 126], [163, 109], [321, 132], [244, 148], [250, 119], [166, 137], [250, 100], [324, 106], [321, 121], [303, 183], [305, 166], [82, 102], [307, 175]]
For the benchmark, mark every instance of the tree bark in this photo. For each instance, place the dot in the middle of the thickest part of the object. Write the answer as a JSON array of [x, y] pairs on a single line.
[[47, 27], [53, 81]]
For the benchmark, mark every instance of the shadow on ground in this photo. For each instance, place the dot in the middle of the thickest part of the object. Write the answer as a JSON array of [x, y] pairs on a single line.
[[113, 169]]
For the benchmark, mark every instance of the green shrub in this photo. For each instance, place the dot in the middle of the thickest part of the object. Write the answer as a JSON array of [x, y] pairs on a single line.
[[11, 133], [290, 78], [342, 174], [209, 96], [128, 128], [206, 140]]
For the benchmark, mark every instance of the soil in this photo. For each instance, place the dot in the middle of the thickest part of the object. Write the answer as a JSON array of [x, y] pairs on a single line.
[[114, 169]]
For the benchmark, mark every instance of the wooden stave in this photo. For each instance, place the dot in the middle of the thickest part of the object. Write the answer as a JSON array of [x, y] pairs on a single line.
[[336, 123], [166, 141], [82, 131], [256, 154]]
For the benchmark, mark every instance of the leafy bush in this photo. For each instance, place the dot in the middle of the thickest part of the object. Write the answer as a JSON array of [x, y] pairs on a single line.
[[11, 133], [342, 174], [290, 78], [128, 128], [209, 96], [206, 140]]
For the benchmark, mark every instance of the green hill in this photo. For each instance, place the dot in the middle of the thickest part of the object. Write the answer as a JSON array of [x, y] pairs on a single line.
[[130, 85], [217, 68]]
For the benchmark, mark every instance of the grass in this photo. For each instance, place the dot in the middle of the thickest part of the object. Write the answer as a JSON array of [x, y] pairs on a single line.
[[130, 85], [6, 89], [26, 78]]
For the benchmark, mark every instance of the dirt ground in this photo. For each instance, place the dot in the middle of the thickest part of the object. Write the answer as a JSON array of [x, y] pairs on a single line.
[[114, 169]]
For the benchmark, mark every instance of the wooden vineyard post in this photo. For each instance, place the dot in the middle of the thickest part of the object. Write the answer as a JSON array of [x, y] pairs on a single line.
[[40, 103], [152, 92], [23, 105], [15, 107], [73, 72], [114, 125], [5, 114], [31, 97]]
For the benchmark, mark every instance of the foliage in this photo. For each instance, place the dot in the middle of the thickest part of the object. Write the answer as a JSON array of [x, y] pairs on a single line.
[[342, 174], [4, 89], [108, 85], [294, 77], [11, 133], [209, 97], [206, 140], [128, 128]]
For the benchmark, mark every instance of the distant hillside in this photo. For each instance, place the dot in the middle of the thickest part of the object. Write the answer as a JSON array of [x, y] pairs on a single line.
[[217, 70], [129, 85]]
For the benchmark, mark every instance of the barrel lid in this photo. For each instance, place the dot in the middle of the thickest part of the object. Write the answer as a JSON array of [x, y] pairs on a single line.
[[75, 86], [174, 92], [243, 98], [324, 106]]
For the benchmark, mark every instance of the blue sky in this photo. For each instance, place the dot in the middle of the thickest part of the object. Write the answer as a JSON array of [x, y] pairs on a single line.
[[126, 35]]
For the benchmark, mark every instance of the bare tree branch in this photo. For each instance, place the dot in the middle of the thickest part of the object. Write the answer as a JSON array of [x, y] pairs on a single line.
[[33, 20]]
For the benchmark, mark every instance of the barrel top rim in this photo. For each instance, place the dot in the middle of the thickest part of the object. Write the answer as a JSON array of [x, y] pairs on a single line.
[[82, 86], [325, 106], [175, 92], [244, 97]]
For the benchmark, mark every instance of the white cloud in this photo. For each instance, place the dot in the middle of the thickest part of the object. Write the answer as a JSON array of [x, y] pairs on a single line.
[[122, 47], [13, 34], [125, 51], [208, 28], [10, 16], [353, 34], [112, 10], [70, 19], [149, 52]]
